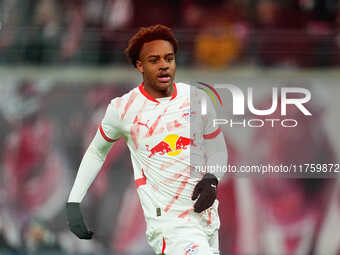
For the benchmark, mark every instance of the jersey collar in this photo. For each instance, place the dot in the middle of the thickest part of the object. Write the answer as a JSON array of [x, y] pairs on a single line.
[[148, 96]]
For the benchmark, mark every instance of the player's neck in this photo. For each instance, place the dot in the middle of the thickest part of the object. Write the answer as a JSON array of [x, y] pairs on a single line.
[[159, 93]]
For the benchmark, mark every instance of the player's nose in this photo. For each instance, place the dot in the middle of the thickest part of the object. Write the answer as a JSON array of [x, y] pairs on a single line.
[[164, 65]]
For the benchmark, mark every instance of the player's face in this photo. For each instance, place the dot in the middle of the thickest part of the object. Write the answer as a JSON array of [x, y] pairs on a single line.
[[158, 66]]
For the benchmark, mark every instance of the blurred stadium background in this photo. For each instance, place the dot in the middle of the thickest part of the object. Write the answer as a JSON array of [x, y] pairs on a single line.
[[62, 61]]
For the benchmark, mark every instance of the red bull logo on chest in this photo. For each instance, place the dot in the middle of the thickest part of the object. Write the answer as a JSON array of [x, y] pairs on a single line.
[[172, 145]]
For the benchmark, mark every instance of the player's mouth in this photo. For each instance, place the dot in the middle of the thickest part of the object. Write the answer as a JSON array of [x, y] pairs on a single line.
[[164, 77]]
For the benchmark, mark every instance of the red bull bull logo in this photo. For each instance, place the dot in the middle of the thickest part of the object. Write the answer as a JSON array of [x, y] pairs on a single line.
[[172, 145]]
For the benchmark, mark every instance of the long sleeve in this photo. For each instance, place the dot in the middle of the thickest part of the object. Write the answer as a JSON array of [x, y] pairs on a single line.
[[214, 143], [89, 167], [107, 133], [217, 154]]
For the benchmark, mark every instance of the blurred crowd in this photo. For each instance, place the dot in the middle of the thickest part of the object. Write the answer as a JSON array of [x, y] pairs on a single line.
[[41, 146], [212, 33]]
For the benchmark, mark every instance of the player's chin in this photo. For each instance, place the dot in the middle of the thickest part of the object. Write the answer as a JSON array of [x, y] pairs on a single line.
[[164, 85]]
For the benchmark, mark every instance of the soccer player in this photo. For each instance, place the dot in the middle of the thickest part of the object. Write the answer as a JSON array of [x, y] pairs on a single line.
[[167, 137]]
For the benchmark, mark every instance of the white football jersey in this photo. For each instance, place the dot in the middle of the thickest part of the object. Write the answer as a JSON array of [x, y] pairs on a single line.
[[163, 144]]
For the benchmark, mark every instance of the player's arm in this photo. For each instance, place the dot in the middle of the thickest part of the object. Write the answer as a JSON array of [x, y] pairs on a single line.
[[89, 168], [216, 153], [217, 157]]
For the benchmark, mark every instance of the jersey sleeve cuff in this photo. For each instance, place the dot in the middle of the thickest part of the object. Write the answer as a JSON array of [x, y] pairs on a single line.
[[108, 139], [213, 134]]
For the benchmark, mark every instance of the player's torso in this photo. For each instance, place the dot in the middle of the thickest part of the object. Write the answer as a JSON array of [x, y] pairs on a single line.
[[162, 141]]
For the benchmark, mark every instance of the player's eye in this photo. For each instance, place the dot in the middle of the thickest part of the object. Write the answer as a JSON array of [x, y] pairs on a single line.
[[169, 59], [153, 61]]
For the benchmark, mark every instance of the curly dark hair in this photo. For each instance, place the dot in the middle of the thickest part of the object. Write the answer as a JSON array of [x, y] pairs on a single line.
[[148, 34]]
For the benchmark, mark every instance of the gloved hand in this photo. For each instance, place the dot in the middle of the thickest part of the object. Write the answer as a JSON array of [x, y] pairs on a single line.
[[76, 222], [206, 190]]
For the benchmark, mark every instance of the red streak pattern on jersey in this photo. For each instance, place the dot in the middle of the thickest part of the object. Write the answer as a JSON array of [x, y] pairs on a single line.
[[155, 124], [135, 129], [185, 104], [173, 125], [169, 163], [129, 103], [178, 193], [119, 103], [185, 213]]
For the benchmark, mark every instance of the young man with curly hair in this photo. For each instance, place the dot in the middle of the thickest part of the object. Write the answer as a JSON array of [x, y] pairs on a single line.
[[164, 134]]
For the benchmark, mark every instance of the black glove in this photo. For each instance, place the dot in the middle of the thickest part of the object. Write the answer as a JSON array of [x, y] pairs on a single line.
[[206, 190], [76, 221]]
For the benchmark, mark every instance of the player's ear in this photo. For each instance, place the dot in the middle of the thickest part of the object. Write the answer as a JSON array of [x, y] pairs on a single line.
[[139, 66]]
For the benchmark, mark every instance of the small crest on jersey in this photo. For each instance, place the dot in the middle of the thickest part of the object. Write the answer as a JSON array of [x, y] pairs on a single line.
[[191, 249], [187, 115]]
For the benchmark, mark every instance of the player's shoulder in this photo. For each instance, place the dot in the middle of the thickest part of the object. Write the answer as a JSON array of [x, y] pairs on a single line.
[[186, 88], [125, 97], [183, 86]]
